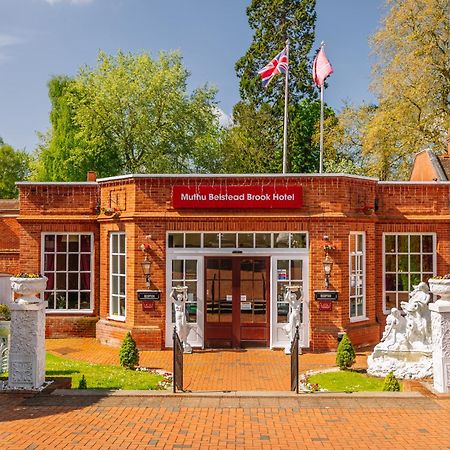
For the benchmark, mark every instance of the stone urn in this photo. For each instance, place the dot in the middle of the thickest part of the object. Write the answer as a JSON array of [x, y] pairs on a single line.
[[28, 288], [440, 287]]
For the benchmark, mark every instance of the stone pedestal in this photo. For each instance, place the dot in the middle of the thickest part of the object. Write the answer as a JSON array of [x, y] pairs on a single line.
[[440, 324], [27, 346]]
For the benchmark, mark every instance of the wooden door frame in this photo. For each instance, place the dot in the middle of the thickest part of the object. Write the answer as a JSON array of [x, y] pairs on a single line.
[[236, 295]]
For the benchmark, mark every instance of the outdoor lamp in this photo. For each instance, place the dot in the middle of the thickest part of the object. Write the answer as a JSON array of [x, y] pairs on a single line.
[[146, 264], [327, 267]]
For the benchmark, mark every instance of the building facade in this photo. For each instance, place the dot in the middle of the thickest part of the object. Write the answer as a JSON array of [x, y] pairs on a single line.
[[235, 242]]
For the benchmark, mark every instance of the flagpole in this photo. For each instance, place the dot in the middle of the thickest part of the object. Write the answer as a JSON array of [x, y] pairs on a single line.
[[321, 121], [286, 90], [321, 130]]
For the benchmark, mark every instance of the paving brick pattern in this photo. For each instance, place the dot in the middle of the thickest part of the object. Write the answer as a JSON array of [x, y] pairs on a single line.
[[305, 422], [214, 370]]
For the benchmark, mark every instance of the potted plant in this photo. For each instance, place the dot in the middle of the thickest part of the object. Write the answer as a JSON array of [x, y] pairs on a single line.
[[440, 285], [5, 321], [28, 285]]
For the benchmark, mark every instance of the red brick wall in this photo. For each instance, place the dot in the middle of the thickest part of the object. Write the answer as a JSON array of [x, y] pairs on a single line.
[[333, 206], [9, 244]]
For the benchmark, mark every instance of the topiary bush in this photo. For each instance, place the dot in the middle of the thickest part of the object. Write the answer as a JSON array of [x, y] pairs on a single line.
[[345, 356], [129, 353], [5, 313], [82, 383], [391, 383]]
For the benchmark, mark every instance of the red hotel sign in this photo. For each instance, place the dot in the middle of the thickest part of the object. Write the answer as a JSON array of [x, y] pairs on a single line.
[[237, 197]]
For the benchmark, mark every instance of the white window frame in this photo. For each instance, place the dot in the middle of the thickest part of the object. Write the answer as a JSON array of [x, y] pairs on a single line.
[[91, 262], [196, 337], [409, 233], [362, 253], [117, 317]]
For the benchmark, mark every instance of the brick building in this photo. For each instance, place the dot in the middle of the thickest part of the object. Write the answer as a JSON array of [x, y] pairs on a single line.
[[235, 241]]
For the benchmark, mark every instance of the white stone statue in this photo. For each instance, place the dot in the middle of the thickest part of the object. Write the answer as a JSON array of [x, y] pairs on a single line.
[[294, 315], [179, 296], [406, 345]]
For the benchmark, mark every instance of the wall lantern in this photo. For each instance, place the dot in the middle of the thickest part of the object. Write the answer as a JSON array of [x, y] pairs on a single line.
[[327, 267], [146, 264]]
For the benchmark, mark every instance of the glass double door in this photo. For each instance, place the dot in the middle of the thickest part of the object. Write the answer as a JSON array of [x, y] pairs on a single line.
[[237, 301]]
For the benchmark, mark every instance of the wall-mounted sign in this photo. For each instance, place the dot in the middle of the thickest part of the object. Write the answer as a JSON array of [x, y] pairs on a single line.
[[325, 306], [148, 295], [148, 305], [326, 295], [237, 197]]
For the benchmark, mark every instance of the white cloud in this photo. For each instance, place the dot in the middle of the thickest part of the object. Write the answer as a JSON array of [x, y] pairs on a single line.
[[7, 40], [224, 119], [72, 2]]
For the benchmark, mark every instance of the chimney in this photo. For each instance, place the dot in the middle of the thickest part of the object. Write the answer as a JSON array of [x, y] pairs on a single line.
[[91, 176]]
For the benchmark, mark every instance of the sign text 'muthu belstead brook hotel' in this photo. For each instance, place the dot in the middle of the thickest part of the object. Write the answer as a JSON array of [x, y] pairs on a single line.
[[237, 197]]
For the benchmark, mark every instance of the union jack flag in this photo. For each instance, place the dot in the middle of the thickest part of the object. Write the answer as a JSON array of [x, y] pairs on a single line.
[[279, 64]]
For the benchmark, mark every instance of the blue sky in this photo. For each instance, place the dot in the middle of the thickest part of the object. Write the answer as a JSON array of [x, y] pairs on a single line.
[[41, 38]]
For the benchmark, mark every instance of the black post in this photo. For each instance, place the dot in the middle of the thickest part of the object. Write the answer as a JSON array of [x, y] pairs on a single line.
[[294, 361], [177, 362]]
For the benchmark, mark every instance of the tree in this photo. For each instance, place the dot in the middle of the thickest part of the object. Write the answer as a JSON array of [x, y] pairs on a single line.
[[274, 21], [344, 141], [129, 114], [129, 353], [412, 82], [139, 110], [61, 154], [345, 355], [14, 166]]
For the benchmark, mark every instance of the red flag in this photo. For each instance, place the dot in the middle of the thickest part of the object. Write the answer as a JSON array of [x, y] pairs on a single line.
[[321, 68]]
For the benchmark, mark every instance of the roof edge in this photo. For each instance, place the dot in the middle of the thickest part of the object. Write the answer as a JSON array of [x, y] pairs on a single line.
[[240, 175]]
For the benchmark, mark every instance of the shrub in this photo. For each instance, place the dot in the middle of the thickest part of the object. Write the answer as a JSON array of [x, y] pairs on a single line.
[[5, 313], [391, 383], [129, 353], [82, 384], [345, 355]]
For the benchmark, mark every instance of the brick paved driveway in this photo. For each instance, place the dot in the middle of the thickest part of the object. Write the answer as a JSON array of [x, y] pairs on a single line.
[[214, 423], [209, 370]]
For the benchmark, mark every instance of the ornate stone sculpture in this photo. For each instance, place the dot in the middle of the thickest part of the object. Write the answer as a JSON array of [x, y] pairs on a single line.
[[406, 345], [294, 315], [440, 323], [27, 342], [179, 296]]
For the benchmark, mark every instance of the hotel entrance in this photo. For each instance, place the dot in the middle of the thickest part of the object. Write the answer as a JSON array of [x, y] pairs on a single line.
[[237, 301], [236, 285]]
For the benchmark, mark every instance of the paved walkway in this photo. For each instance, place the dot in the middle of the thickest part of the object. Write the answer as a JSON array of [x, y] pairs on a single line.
[[209, 370], [304, 422]]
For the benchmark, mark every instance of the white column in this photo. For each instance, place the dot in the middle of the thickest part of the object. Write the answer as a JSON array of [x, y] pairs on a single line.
[[26, 369], [440, 325]]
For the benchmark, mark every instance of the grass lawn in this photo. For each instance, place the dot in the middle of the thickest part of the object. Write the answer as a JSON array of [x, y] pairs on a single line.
[[99, 376], [347, 381]]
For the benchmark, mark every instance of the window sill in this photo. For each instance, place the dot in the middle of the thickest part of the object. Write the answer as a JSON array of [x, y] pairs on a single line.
[[116, 318], [69, 311], [358, 319]]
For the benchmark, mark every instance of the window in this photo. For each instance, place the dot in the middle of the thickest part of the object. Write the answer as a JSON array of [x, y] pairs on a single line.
[[237, 240], [117, 307], [185, 273], [408, 260], [289, 273], [357, 276], [67, 263]]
